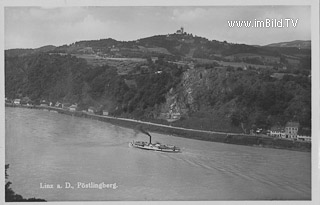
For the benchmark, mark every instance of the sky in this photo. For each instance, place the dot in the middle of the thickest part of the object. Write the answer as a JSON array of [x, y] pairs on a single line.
[[33, 27]]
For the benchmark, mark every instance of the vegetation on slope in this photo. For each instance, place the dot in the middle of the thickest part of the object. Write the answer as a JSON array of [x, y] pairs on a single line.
[[223, 98]]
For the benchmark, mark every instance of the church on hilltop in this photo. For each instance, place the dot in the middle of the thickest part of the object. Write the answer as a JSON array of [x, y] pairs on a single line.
[[180, 31]]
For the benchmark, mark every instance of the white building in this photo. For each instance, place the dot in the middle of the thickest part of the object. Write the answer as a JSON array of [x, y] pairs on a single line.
[[304, 138], [44, 103], [277, 131], [304, 134], [17, 101], [91, 110], [73, 108], [292, 129]]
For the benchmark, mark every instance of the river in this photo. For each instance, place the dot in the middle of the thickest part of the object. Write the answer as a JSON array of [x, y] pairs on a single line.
[[45, 148]]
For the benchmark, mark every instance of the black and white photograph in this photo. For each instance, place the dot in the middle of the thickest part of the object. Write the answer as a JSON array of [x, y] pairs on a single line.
[[154, 102]]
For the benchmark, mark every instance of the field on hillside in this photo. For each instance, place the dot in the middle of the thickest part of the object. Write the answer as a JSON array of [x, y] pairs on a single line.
[[232, 64], [265, 58], [123, 65], [155, 50]]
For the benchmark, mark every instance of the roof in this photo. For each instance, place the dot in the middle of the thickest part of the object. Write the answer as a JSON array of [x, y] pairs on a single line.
[[292, 124], [277, 128]]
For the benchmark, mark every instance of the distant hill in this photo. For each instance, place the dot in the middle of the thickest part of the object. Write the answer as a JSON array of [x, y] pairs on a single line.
[[298, 44], [28, 51]]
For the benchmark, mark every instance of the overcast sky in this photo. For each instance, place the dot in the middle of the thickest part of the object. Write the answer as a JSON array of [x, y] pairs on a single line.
[[32, 27]]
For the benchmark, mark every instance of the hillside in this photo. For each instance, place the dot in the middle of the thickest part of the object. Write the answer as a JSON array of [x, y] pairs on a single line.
[[297, 44], [181, 79], [28, 51]]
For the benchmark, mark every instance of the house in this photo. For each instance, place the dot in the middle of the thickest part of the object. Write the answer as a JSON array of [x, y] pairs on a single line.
[[114, 49], [259, 130], [176, 115], [16, 101], [105, 112], [73, 108], [304, 134], [180, 31], [30, 103], [277, 131], [44, 103], [92, 110], [305, 138], [58, 104], [154, 59], [291, 130]]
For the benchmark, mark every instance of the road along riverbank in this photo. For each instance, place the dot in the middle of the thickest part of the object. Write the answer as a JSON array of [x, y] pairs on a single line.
[[230, 138]]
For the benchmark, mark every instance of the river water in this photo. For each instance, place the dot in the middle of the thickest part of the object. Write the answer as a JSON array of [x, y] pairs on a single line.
[[45, 148]]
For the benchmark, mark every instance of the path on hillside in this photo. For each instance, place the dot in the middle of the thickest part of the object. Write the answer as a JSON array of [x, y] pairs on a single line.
[[168, 126]]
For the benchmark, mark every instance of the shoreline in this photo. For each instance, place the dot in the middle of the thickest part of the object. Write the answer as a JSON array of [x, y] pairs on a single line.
[[212, 136]]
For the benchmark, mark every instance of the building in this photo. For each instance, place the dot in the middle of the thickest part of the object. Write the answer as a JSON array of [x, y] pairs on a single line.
[[304, 134], [304, 138], [44, 103], [291, 130], [114, 49], [176, 116], [17, 101], [58, 104], [73, 108], [154, 59], [180, 31], [105, 112], [91, 110], [277, 131]]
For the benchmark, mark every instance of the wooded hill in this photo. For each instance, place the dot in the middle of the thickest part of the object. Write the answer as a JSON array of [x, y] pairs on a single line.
[[213, 85]]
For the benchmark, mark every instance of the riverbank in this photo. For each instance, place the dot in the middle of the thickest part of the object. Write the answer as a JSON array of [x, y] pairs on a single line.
[[230, 138]]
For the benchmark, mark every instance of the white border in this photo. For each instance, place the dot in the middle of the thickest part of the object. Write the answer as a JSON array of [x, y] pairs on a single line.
[[315, 79]]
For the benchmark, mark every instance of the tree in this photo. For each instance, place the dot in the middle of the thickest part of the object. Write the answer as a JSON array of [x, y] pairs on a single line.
[[10, 195]]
